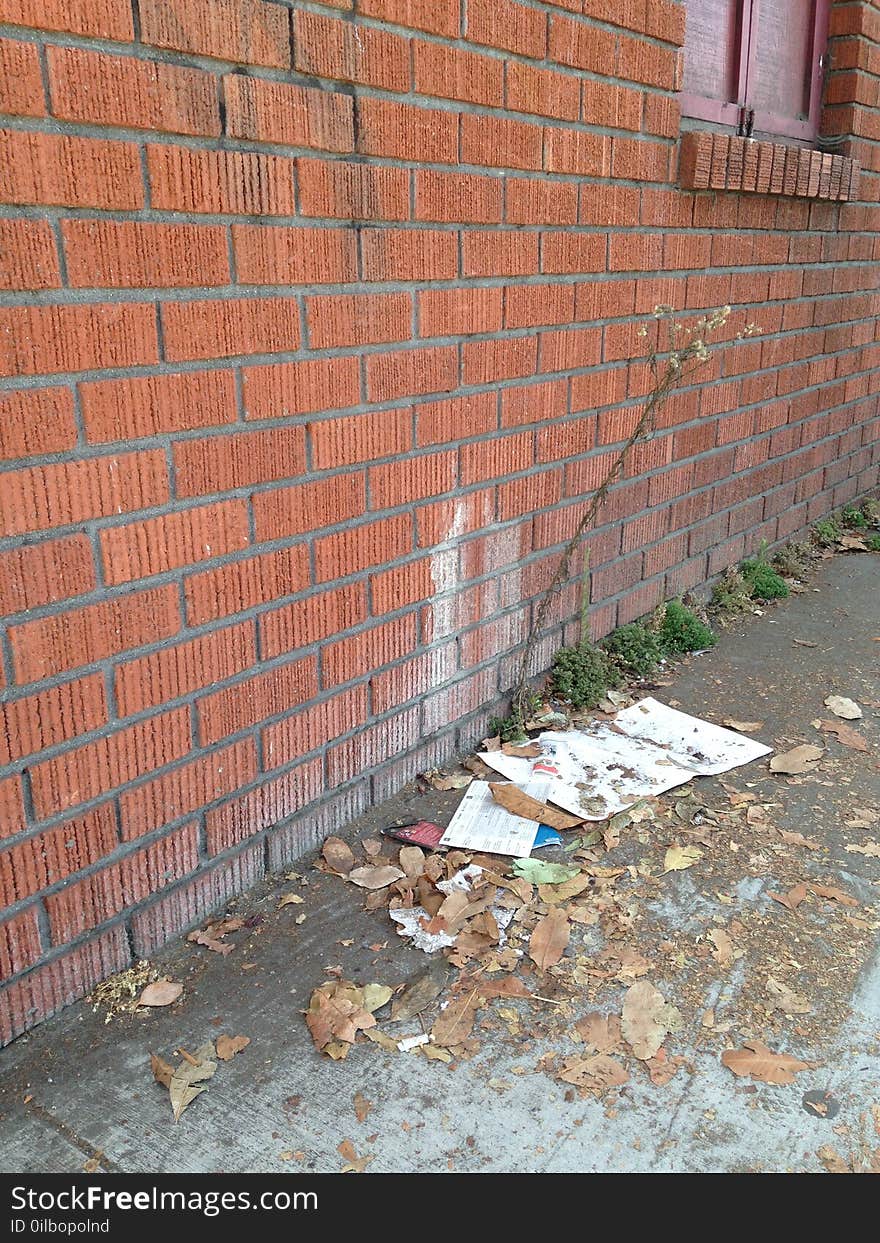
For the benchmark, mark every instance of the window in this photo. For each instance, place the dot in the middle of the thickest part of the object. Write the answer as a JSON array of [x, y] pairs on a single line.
[[756, 65]]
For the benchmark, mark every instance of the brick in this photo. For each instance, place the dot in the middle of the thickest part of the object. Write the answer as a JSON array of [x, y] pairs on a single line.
[[271, 255], [453, 73], [636, 159], [209, 328], [581, 46], [313, 506], [38, 574], [441, 17], [51, 856], [610, 105], [36, 421], [220, 463], [105, 19], [82, 636], [484, 362], [369, 746], [243, 584], [497, 458], [12, 814], [41, 497], [39, 339], [403, 373], [500, 142], [308, 621], [369, 649], [256, 699], [35, 722], [287, 740], [405, 132], [141, 406], [329, 48], [639, 61], [543, 92], [225, 182], [281, 112], [429, 475], [271, 803], [459, 312], [20, 945], [358, 319], [280, 390], [530, 201], [125, 253], [504, 24], [74, 172], [457, 197], [530, 305], [563, 251], [360, 437], [352, 191], [358, 548], [533, 403], [90, 902], [85, 773], [409, 254], [577, 152], [491, 252], [175, 671], [248, 31], [155, 545], [186, 788], [570, 348], [139, 94], [410, 583], [21, 82], [30, 258], [456, 418], [188, 903], [635, 252]]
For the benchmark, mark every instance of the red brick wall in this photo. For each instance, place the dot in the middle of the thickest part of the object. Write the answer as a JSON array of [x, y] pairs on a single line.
[[315, 323]]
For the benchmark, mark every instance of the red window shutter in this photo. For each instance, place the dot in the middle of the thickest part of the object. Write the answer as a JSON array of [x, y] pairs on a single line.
[[788, 41], [716, 45]]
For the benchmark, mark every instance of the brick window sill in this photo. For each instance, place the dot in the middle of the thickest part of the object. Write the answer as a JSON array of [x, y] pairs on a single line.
[[715, 161]]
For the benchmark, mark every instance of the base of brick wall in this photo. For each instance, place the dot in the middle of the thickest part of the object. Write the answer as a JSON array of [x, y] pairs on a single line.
[[71, 974]]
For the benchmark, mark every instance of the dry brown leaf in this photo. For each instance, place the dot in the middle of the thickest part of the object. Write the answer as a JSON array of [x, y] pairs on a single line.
[[596, 1073], [354, 1163], [600, 1032], [212, 943], [290, 899], [832, 1160], [162, 993], [797, 839], [677, 858], [509, 986], [845, 734], [338, 855], [784, 999], [228, 1046], [421, 991], [661, 1067], [755, 1061], [743, 727], [646, 1019], [375, 877], [549, 940], [519, 803], [793, 898], [188, 1078], [361, 1106], [843, 707], [527, 751], [455, 1022], [412, 860], [800, 759], [870, 849], [832, 894], [162, 1072], [723, 952], [335, 1015]]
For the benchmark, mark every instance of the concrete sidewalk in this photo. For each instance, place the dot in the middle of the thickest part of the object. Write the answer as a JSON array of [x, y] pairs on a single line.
[[80, 1090]]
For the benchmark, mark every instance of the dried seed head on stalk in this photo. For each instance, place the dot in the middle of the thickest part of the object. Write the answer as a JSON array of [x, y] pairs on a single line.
[[683, 353]]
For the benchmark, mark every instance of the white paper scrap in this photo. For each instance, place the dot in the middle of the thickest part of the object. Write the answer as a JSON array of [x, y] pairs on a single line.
[[413, 1042], [482, 824], [409, 920], [647, 749]]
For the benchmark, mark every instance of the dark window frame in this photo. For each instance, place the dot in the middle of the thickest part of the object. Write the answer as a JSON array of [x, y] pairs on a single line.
[[740, 113]]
